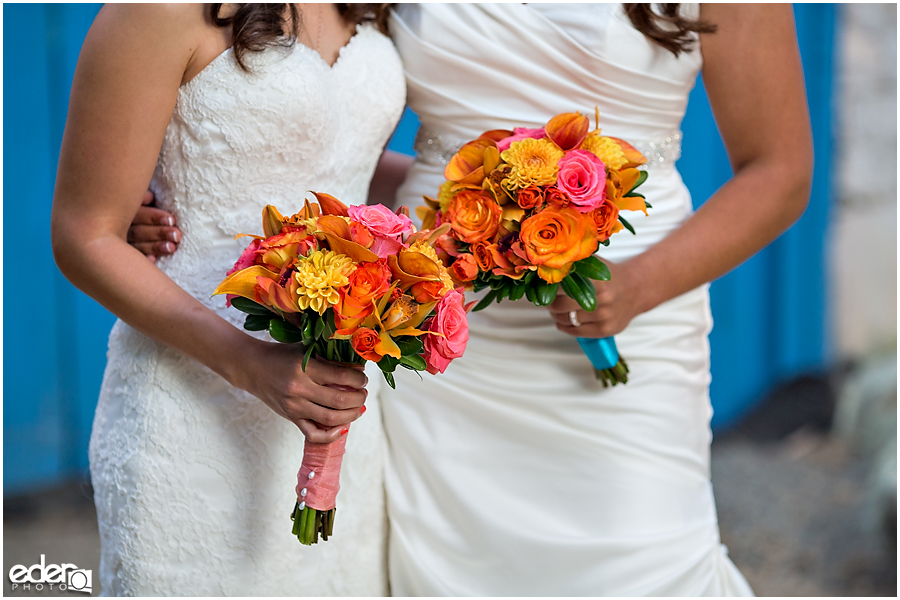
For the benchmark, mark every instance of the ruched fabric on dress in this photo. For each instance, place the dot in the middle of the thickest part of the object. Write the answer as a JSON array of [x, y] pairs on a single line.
[[516, 472]]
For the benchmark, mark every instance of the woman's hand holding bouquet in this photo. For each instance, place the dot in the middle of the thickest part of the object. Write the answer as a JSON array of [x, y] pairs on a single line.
[[346, 285], [529, 208]]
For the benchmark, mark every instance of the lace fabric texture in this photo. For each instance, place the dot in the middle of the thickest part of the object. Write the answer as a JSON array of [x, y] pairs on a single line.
[[194, 479]]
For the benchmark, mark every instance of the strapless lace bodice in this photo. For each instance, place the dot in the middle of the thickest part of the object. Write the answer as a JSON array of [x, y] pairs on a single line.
[[193, 478], [238, 141]]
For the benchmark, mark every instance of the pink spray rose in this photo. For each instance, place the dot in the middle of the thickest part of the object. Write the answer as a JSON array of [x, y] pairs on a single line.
[[450, 321], [521, 133], [381, 221], [583, 177]]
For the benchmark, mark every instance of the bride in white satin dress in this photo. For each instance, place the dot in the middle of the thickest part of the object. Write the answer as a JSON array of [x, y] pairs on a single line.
[[515, 472]]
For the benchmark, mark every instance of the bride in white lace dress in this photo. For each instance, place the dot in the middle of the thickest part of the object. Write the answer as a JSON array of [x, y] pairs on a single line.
[[195, 445]]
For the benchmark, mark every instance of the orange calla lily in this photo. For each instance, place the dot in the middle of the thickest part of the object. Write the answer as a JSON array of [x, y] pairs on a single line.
[[337, 231], [273, 221], [568, 130], [243, 283], [259, 284], [410, 268], [331, 205], [468, 165], [633, 155], [496, 134]]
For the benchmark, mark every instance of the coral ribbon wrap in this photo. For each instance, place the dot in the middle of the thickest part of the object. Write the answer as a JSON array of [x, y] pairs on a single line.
[[325, 461]]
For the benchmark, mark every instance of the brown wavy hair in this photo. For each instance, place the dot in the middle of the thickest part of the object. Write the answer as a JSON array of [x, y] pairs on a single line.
[[254, 27], [667, 27]]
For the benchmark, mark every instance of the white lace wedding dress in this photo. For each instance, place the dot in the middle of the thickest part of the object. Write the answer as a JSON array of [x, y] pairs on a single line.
[[515, 472], [194, 479]]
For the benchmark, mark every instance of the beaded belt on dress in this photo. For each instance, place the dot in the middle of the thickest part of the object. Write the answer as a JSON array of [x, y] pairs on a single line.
[[437, 149]]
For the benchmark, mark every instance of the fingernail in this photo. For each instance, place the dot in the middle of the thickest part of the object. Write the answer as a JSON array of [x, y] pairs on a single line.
[[170, 221], [173, 235], [362, 410], [169, 247], [344, 431]]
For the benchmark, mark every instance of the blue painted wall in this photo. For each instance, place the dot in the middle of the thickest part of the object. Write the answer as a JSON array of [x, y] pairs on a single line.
[[55, 337]]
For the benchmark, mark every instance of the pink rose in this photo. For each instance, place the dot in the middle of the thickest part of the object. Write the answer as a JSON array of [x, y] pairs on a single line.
[[521, 133], [381, 221], [583, 177], [450, 321], [247, 258]]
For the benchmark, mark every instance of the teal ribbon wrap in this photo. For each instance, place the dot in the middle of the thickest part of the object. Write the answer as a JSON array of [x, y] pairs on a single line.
[[602, 352]]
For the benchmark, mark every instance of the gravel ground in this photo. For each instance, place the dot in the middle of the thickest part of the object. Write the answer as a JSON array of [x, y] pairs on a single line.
[[790, 513]]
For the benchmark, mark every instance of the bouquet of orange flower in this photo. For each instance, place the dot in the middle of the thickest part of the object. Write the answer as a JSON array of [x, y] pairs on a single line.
[[529, 208], [352, 284]]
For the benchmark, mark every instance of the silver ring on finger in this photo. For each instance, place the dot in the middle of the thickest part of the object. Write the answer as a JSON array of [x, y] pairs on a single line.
[[573, 318]]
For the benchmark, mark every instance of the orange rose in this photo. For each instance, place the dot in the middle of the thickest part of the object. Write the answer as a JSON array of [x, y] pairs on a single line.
[[482, 254], [606, 218], [530, 197], [464, 268], [555, 238], [363, 342], [557, 197], [367, 282], [474, 215]]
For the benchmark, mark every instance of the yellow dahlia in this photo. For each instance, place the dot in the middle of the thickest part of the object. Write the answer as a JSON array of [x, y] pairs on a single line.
[[444, 195], [606, 150], [533, 162], [319, 278]]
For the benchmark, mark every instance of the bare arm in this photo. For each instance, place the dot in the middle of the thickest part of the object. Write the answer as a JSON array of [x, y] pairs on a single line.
[[132, 63], [754, 81]]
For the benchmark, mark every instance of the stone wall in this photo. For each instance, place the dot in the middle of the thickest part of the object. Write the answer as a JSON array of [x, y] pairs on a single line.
[[864, 225]]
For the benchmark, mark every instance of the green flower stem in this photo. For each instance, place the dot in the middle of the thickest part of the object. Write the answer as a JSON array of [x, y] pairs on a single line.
[[615, 375]]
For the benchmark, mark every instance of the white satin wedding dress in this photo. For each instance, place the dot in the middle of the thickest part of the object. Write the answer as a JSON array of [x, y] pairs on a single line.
[[515, 472], [194, 479]]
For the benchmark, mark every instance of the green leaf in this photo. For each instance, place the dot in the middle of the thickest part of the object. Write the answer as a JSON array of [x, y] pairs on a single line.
[[486, 301], [517, 291], [249, 306], [414, 362], [318, 327], [577, 293], [390, 379], [592, 268], [605, 242], [529, 293], [388, 364], [307, 356], [284, 332], [545, 292], [497, 283], [647, 204], [478, 285], [330, 324], [626, 224], [257, 322], [588, 291], [529, 277], [634, 195], [410, 345], [502, 293]]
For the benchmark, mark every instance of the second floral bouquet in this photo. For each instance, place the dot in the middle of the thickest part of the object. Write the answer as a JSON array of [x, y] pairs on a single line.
[[351, 284], [528, 209]]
